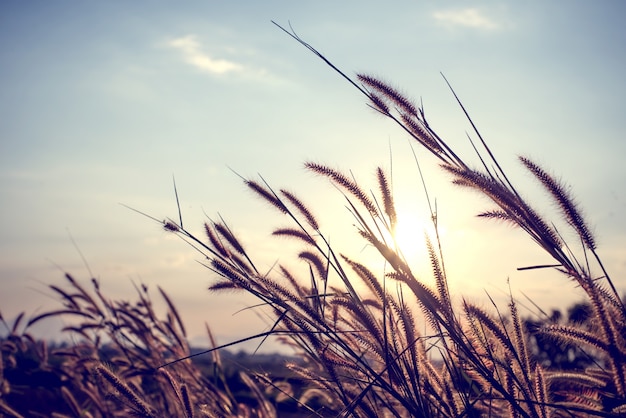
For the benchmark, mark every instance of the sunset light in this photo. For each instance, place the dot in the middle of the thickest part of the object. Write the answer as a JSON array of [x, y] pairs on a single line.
[[177, 176]]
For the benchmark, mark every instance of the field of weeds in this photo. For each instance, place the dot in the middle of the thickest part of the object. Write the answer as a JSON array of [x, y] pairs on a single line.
[[361, 346]]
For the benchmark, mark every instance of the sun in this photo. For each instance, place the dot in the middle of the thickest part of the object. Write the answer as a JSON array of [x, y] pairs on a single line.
[[410, 238], [409, 235]]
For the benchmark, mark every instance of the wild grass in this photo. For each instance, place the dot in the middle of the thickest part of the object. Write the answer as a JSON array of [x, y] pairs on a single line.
[[114, 368], [357, 331]]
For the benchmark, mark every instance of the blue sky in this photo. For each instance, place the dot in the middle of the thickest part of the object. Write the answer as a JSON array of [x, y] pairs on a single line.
[[102, 102]]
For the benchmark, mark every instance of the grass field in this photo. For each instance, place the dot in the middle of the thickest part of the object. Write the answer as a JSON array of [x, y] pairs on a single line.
[[367, 343]]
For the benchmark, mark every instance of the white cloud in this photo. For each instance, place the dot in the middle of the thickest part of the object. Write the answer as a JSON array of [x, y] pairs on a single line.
[[469, 18], [195, 56]]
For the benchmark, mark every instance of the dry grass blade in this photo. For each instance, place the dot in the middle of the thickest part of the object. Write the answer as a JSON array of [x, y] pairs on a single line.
[[303, 209], [215, 241], [71, 401], [541, 391], [174, 311], [17, 322], [10, 412], [140, 406], [187, 401], [440, 279], [226, 233], [566, 334], [347, 184], [267, 195], [389, 92], [564, 201], [388, 205], [317, 262], [294, 233], [416, 128], [379, 104], [45, 315]]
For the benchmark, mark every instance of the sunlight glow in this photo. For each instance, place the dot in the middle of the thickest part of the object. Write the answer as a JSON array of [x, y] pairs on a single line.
[[409, 236]]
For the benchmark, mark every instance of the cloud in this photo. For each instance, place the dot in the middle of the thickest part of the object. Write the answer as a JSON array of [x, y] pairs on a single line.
[[196, 57], [468, 18], [194, 54]]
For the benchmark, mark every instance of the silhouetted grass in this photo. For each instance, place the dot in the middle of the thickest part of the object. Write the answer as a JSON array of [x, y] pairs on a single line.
[[355, 330]]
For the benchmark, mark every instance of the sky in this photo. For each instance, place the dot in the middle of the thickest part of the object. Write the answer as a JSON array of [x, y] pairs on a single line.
[[103, 102]]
